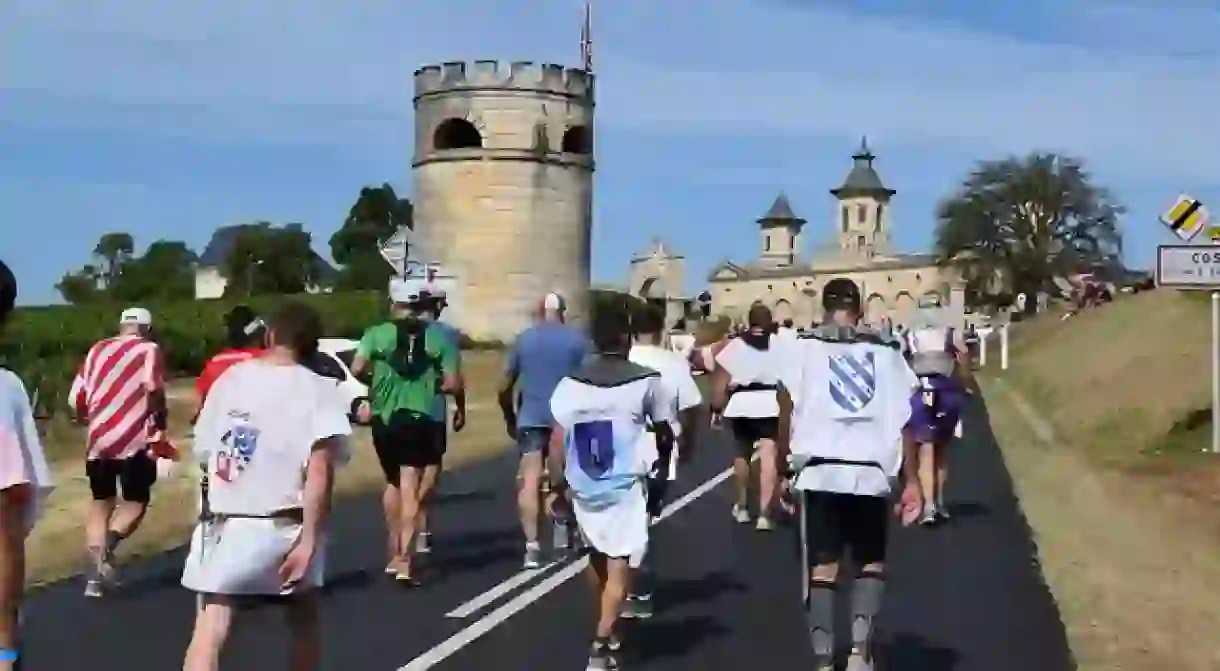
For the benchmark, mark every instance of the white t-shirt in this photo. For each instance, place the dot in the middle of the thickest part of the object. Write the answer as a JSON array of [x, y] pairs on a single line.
[[786, 333], [256, 431], [22, 459], [746, 365], [851, 402], [615, 422], [675, 376]]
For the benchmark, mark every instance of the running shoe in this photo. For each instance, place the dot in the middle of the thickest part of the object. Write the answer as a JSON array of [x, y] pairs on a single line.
[[533, 556], [765, 523], [560, 535], [602, 658], [93, 588], [943, 511], [857, 662], [423, 542], [930, 515], [391, 569], [637, 607], [741, 513]]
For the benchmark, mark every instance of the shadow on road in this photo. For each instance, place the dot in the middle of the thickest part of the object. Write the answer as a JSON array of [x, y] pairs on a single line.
[[667, 639], [911, 652], [674, 593]]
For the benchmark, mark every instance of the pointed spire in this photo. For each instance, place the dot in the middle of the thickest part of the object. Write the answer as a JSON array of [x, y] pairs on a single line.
[[586, 38], [863, 153], [863, 179], [780, 213]]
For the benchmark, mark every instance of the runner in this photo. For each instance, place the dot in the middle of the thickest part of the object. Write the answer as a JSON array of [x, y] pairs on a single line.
[[119, 393], [543, 355], [743, 392], [937, 355], [432, 474], [680, 385], [412, 363], [270, 435], [245, 337], [601, 449], [25, 482], [844, 399]]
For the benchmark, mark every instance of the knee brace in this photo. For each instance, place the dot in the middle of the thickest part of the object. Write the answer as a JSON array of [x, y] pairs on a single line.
[[866, 594], [820, 611]]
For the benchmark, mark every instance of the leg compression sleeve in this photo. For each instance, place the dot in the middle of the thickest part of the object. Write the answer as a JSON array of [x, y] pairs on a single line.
[[866, 597], [821, 613]]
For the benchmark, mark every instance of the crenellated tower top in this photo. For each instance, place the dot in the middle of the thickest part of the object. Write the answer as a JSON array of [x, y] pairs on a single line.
[[492, 75]]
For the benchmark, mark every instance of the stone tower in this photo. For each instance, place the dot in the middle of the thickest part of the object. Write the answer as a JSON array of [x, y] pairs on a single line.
[[863, 207], [503, 187], [781, 233]]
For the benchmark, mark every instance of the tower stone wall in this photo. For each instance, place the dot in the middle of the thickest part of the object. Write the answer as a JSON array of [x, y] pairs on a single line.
[[503, 187]]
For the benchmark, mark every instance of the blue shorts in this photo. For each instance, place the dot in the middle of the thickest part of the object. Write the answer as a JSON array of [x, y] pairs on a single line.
[[531, 439]]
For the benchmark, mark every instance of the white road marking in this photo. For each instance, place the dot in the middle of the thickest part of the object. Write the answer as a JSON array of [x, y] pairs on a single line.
[[492, 595], [478, 628]]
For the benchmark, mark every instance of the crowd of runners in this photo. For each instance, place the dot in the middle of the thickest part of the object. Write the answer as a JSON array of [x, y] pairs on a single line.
[[842, 426]]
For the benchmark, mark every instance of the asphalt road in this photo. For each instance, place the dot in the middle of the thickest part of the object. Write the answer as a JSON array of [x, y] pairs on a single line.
[[964, 597]]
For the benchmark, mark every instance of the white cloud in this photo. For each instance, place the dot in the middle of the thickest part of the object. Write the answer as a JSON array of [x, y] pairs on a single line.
[[316, 71]]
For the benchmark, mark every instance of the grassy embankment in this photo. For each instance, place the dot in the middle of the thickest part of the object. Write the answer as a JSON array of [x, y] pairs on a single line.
[[1103, 419]]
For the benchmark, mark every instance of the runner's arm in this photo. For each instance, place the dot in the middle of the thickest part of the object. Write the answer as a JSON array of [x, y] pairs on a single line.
[[783, 431], [154, 382], [512, 370], [556, 459], [319, 483]]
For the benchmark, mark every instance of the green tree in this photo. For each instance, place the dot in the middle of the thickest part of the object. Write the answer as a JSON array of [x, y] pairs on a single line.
[[375, 216], [1020, 222], [81, 287], [269, 260], [165, 272], [113, 250]]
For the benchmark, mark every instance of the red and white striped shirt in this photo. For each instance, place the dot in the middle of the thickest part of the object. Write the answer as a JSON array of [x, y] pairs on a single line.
[[112, 390]]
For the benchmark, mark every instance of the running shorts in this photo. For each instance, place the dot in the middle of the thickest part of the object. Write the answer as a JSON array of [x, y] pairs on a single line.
[[134, 475], [410, 440], [749, 430], [835, 524]]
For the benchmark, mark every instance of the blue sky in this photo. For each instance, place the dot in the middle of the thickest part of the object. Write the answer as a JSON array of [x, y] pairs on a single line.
[[168, 119]]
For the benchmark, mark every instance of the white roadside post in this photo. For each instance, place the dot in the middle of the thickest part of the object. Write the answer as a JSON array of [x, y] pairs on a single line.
[[1196, 267], [1004, 347]]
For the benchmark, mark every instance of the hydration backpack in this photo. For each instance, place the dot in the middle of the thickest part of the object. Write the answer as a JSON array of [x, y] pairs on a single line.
[[410, 356]]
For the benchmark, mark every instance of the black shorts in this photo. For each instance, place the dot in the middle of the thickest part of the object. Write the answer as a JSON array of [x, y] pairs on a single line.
[[135, 475], [835, 523], [750, 430], [408, 440]]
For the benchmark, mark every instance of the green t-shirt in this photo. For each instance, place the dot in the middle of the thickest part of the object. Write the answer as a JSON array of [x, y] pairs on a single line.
[[416, 393]]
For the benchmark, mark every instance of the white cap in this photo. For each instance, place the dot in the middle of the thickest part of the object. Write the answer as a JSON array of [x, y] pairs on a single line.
[[409, 290], [553, 302], [138, 316]]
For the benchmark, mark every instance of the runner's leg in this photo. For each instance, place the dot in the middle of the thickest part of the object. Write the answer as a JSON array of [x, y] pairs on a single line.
[[942, 476], [429, 478], [530, 442], [211, 631], [867, 519], [744, 439], [303, 619], [386, 445], [408, 489], [768, 483], [137, 475], [103, 477], [927, 481], [823, 537], [13, 504]]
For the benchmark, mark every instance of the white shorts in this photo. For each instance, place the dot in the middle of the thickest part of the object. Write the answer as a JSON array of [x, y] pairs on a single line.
[[242, 557], [620, 530]]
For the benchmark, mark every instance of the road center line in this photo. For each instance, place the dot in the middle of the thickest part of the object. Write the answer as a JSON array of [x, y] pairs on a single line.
[[492, 595], [478, 628]]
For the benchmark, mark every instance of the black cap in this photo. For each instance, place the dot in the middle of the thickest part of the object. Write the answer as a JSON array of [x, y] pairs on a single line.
[[8, 291], [841, 294]]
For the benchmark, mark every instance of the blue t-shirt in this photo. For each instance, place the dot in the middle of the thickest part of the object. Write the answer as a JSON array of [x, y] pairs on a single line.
[[442, 400], [542, 356]]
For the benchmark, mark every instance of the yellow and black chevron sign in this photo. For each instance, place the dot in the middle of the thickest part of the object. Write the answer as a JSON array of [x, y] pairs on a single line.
[[1186, 218]]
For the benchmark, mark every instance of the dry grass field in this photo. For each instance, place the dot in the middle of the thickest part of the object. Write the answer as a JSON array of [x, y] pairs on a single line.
[[1098, 420], [56, 546]]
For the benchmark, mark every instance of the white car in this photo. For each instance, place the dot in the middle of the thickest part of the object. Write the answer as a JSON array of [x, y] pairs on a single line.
[[335, 361]]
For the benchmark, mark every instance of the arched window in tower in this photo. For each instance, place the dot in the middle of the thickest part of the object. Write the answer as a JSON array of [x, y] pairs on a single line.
[[846, 219], [792, 241], [456, 134], [861, 213], [861, 241], [767, 243], [577, 140], [877, 221]]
